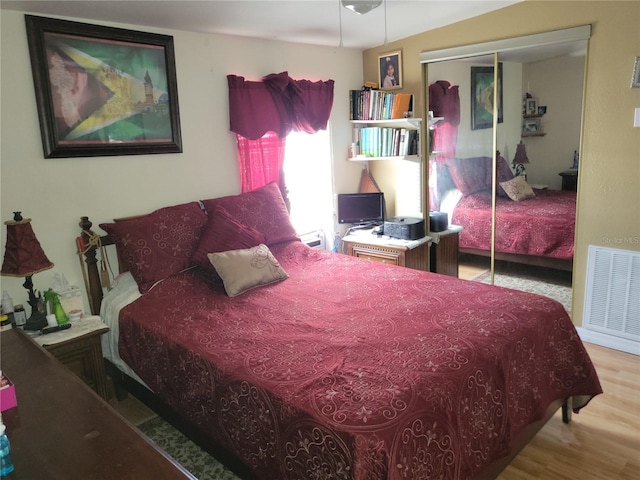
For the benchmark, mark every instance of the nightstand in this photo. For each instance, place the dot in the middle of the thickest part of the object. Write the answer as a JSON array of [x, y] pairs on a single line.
[[80, 350], [444, 251], [570, 179], [404, 253]]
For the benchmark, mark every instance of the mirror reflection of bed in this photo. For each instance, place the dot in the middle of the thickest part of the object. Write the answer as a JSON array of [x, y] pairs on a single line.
[[529, 256]]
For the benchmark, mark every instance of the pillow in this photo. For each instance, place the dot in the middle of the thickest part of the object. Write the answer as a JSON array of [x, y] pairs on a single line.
[[242, 270], [470, 174], [504, 175], [518, 189], [262, 209], [222, 233], [159, 244]]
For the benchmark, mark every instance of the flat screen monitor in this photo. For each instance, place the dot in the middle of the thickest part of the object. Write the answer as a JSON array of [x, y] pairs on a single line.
[[361, 208]]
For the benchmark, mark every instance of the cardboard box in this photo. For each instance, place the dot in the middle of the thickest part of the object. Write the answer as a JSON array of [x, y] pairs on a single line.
[[7, 394]]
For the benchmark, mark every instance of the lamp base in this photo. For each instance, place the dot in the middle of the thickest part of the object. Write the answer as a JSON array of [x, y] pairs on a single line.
[[37, 321]]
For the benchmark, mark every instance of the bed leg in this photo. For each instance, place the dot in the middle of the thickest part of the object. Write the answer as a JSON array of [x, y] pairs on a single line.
[[566, 410]]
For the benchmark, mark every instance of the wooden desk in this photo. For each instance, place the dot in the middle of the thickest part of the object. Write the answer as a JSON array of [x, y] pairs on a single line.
[[63, 429]]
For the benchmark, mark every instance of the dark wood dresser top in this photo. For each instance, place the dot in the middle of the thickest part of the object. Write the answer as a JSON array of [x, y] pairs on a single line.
[[61, 429]]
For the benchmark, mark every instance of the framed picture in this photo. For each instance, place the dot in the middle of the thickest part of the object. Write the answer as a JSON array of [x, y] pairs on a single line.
[[531, 125], [103, 90], [482, 97], [531, 106], [635, 79], [542, 109], [390, 71]]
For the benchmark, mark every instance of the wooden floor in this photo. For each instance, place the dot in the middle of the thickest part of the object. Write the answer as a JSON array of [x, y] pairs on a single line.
[[602, 441]]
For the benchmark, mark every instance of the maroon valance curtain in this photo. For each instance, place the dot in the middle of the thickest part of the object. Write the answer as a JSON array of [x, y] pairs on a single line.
[[279, 104], [261, 114]]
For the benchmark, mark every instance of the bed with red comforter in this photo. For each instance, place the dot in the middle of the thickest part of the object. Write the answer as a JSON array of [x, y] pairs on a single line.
[[347, 369], [541, 226]]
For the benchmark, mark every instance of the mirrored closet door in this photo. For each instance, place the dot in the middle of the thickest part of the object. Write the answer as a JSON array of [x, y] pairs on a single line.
[[499, 169]]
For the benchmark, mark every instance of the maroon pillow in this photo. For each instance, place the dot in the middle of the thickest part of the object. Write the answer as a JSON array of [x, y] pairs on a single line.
[[470, 174], [504, 175], [159, 244], [262, 209], [222, 233]]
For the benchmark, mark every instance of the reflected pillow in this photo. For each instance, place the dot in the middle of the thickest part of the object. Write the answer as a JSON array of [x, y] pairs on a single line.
[[159, 244], [222, 233], [262, 209], [518, 189], [470, 174], [504, 173], [243, 270]]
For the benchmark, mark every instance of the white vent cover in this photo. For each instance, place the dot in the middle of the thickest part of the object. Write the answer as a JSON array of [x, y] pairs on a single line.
[[612, 298]]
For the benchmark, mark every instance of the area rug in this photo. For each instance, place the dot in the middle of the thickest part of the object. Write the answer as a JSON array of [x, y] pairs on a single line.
[[557, 287], [198, 462]]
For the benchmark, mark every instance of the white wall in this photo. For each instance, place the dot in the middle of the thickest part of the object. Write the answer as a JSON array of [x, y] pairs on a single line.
[[55, 193], [558, 84]]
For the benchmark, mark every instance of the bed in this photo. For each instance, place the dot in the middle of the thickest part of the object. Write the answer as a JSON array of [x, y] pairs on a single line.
[[536, 227], [332, 367]]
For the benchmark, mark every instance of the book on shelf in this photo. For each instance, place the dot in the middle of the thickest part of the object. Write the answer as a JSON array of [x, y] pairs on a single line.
[[378, 104], [386, 141]]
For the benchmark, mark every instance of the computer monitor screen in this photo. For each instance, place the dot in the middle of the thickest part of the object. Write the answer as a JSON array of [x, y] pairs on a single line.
[[361, 208]]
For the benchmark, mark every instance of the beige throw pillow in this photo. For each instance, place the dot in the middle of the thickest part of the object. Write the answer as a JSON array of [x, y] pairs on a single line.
[[242, 270], [518, 189]]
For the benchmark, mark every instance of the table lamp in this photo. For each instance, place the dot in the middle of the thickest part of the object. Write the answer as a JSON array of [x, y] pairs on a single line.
[[24, 257], [519, 160]]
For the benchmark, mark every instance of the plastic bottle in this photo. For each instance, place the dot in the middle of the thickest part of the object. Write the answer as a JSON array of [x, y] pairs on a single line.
[[7, 303], [56, 307], [6, 464]]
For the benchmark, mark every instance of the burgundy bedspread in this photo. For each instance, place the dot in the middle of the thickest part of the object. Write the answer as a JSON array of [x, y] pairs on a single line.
[[542, 226], [356, 370]]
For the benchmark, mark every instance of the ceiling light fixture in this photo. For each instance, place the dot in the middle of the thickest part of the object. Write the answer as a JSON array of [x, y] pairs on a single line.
[[361, 6]]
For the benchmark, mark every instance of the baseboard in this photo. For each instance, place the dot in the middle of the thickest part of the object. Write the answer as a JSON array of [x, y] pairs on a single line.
[[609, 341]]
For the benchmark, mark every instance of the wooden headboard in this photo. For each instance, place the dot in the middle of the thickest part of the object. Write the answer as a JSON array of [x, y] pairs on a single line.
[[88, 244]]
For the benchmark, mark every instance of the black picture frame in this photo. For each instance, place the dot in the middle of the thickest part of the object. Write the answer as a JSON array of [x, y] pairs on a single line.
[[102, 90], [482, 97]]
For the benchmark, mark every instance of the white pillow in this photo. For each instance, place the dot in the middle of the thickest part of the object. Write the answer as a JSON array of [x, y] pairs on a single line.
[[518, 189], [242, 270]]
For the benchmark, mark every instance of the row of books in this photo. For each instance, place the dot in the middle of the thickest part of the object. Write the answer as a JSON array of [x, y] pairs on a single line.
[[385, 142], [379, 105]]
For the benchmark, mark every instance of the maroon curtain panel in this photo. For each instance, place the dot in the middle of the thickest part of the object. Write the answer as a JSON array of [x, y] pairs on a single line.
[[279, 104], [262, 114]]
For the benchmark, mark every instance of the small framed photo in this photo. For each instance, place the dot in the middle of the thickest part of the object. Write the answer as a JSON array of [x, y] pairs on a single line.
[[542, 109], [531, 106], [390, 70], [531, 125], [103, 90], [635, 80]]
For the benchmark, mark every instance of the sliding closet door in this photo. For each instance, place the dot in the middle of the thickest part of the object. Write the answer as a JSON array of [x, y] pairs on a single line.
[[462, 144]]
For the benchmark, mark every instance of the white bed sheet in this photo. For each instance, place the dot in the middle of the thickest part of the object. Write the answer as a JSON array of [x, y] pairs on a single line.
[[124, 291]]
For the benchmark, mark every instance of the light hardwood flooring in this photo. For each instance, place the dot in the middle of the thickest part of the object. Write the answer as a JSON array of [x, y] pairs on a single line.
[[602, 442]]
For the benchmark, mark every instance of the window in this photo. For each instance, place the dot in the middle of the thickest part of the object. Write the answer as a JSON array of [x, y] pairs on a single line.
[[308, 177]]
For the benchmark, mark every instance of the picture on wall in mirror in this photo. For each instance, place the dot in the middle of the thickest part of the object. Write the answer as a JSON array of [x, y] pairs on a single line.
[[390, 70], [531, 106], [531, 125], [482, 97]]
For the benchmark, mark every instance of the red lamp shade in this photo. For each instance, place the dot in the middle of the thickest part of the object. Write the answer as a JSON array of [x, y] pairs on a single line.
[[23, 255], [521, 154]]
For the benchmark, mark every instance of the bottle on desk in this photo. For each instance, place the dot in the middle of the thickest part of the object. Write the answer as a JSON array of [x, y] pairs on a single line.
[[6, 464]]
